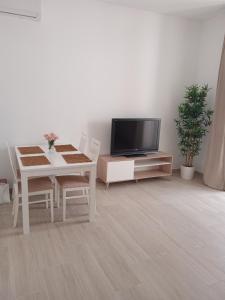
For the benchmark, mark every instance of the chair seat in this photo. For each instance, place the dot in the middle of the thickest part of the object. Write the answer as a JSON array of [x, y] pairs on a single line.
[[72, 181], [37, 185]]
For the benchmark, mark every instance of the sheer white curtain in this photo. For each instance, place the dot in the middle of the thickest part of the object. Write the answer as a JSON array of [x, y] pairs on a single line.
[[214, 170]]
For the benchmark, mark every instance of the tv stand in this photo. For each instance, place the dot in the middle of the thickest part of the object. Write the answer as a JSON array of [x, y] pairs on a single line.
[[121, 168], [135, 155]]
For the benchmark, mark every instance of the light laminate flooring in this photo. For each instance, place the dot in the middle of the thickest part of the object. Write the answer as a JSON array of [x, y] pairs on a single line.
[[158, 239]]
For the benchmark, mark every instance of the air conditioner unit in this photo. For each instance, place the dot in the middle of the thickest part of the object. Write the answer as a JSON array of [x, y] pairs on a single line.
[[23, 8]]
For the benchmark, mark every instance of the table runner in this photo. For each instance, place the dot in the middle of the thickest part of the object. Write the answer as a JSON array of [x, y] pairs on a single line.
[[76, 158], [34, 160], [65, 148], [30, 150]]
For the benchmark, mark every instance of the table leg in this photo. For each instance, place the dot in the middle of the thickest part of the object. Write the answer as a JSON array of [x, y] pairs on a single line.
[[25, 206], [92, 204]]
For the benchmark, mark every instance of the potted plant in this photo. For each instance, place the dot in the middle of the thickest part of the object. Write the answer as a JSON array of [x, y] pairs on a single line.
[[51, 138], [192, 125]]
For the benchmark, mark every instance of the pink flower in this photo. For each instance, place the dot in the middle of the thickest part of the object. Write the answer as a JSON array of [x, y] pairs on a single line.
[[50, 136]]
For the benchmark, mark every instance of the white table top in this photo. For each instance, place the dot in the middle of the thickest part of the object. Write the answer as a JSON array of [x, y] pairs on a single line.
[[55, 158]]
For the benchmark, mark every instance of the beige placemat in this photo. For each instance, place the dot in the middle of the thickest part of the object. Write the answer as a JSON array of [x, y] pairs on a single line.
[[34, 160], [76, 158], [30, 150], [65, 148]]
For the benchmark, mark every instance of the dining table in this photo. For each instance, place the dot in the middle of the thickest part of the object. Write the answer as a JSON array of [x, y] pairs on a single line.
[[38, 161]]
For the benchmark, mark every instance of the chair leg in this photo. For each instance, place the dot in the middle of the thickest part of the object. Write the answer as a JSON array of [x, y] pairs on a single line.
[[57, 193], [87, 195], [84, 192], [51, 206], [46, 198], [13, 199], [64, 205], [16, 209]]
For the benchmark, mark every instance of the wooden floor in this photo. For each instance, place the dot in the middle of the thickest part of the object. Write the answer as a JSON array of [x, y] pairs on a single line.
[[159, 239]]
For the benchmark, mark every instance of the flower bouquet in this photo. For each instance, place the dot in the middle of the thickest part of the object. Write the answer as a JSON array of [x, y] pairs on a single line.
[[51, 138]]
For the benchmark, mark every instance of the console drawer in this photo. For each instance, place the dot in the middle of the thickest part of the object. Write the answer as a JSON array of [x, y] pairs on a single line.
[[120, 171]]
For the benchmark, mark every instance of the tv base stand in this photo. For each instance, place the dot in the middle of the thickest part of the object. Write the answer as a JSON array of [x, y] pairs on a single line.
[[121, 168], [136, 155]]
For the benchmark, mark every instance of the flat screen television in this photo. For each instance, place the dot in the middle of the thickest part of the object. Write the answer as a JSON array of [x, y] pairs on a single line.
[[135, 136]]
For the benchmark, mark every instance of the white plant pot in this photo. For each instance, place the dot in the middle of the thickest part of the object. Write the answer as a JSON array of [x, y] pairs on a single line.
[[187, 173]]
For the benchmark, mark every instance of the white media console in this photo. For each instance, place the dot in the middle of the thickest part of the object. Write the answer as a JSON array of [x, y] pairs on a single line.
[[121, 168]]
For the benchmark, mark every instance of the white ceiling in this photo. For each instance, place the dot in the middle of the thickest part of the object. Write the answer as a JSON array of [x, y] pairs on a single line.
[[25, 8], [20, 4], [198, 9]]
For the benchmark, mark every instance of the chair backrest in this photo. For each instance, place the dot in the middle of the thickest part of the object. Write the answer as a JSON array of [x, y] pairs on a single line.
[[83, 142], [94, 149], [12, 164]]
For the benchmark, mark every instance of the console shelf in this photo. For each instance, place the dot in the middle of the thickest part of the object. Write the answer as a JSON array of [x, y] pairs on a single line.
[[149, 174], [150, 163], [121, 168]]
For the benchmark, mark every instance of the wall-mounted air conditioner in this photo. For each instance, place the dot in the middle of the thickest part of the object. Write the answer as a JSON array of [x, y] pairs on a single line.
[[23, 8]]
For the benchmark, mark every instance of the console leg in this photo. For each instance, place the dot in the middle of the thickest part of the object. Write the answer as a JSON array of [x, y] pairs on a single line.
[[107, 185]]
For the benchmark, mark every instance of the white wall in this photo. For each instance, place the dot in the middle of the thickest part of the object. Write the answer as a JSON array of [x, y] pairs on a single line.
[[211, 42], [86, 62]]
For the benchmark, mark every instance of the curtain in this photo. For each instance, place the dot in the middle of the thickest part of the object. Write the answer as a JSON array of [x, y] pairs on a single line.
[[214, 168]]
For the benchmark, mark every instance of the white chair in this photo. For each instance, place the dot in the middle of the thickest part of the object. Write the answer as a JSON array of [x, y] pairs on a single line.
[[83, 142], [82, 148], [12, 163], [94, 150], [36, 187], [77, 183]]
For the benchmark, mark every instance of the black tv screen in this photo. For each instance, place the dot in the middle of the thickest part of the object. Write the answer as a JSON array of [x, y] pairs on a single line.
[[134, 136]]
